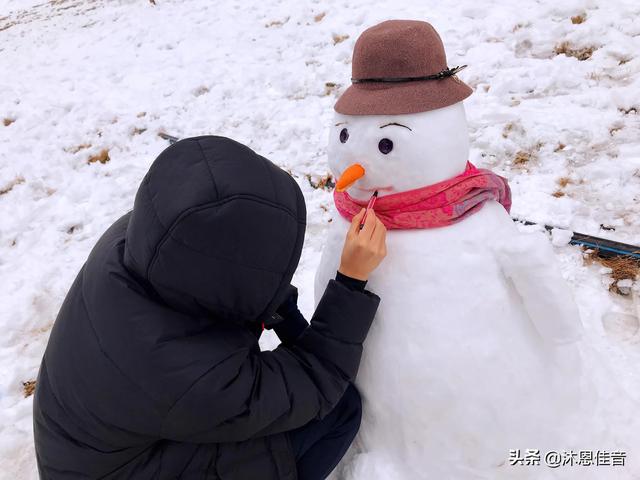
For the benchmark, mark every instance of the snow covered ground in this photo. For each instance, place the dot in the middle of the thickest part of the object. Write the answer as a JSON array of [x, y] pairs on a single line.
[[87, 85]]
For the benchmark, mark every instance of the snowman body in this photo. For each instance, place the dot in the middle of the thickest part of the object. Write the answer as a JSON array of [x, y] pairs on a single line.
[[455, 371]]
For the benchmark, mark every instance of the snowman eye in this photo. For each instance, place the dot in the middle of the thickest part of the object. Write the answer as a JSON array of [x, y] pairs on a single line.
[[344, 135], [385, 145]]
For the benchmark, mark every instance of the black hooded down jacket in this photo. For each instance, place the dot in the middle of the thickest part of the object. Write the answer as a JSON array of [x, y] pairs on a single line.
[[152, 370]]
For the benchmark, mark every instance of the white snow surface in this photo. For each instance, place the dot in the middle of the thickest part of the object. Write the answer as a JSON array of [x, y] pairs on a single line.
[[78, 77]]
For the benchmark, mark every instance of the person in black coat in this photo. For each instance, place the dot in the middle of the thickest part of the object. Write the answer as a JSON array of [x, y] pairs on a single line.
[[153, 368]]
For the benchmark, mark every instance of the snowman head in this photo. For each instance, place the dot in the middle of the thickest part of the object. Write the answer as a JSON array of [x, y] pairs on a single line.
[[401, 124], [399, 152]]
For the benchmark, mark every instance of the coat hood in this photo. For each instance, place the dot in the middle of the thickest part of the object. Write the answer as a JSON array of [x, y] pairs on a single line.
[[216, 230]]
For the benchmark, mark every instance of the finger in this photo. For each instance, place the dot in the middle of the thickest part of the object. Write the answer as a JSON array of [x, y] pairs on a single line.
[[379, 236], [383, 244], [369, 224], [355, 222]]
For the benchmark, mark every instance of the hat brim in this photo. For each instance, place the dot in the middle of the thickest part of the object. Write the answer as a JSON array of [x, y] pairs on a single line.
[[402, 98]]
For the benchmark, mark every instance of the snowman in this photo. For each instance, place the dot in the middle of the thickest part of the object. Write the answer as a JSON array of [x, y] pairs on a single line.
[[472, 353]]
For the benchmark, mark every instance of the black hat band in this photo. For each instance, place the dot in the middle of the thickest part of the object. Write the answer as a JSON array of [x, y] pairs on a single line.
[[448, 72]]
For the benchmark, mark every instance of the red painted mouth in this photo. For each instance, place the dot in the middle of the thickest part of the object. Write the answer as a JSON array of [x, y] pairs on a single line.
[[381, 189]]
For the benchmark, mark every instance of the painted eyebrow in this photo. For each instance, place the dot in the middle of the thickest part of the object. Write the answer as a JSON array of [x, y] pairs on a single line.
[[397, 124], [341, 123]]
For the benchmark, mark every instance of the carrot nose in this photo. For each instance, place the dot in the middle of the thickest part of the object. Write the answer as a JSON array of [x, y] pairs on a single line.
[[349, 176]]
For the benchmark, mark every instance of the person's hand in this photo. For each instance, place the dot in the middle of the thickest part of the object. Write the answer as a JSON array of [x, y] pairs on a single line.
[[363, 249]]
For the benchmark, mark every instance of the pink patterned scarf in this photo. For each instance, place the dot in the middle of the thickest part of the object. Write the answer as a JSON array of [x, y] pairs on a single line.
[[436, 205]]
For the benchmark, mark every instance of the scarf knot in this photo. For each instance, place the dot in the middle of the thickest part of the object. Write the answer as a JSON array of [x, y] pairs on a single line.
[[437, 205]]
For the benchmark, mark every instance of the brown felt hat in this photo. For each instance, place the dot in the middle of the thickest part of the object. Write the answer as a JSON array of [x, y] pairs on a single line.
[[399, 66]]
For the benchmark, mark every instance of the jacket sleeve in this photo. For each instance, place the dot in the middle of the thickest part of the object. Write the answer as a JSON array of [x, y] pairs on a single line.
[[288, 321], [252, 393]]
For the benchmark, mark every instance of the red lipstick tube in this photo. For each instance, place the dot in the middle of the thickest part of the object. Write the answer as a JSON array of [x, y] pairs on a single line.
[[372, 202]]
